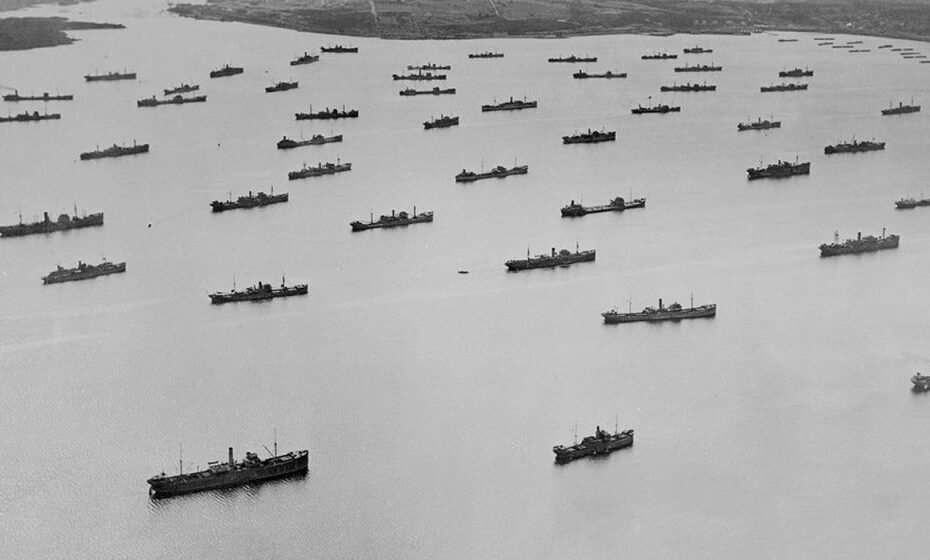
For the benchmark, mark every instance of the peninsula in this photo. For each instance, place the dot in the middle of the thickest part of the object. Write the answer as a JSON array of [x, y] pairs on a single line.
[[33, 32], [437, 19]]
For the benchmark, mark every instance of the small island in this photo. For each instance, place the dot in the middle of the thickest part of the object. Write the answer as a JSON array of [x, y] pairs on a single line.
[[434, 19]]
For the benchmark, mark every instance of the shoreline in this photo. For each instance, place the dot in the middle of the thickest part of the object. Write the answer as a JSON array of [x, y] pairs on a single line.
[[858, 19], [25, 33]]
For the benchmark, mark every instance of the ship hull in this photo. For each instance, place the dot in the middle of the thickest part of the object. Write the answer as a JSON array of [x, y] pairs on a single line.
[[523, 170], [778, 173], [50, 226], [550, 262], [596, 447], [86, 275], [142, 149], [190, 485], [258, 295], [834, 250], [705, 311], [361, 226], [578, 211], [514, 107], [250, 203]]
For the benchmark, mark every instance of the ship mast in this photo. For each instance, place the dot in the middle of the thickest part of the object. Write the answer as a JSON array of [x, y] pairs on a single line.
[[275, 442], [181, 457]]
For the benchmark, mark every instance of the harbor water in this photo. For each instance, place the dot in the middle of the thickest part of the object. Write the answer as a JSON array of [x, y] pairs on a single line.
[[430, 400]]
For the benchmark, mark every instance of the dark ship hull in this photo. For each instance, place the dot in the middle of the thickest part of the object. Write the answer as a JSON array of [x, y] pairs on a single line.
[[320, 169], [116, 151], [442, 122], [867, 244], [318, 139], [574, 59], [281, 86], [796, 73], [562, 258], [689, 88], [64, 222], [111, 77], [30, 117], [590, 137], [403, 219], [779, 170], [617, 205], [183, 88], [854, 147], [783, 87], [601, 443], [420, 76], [44, 97], [758, 125], [509, 106], [672, 313], [606, 75], [305, 59], [83, 272], [430, 67], [339, 49], [908, 203], [661, 109], [434, 91], [901, 109], [250, 201], [486, 55], [226, 71], [498, 172], [921, 383], [260, 292], [176, 100], [328, 114], [699, 69], [659, 56], [230, 475]]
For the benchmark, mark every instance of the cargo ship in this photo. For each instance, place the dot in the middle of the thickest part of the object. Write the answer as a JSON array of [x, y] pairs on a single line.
[[435, 91], [230, 474], [64, 222], [83, 271], [15, 96], [286, 143], [908, 203], [867, 244], [511, 105], [327, 168], [590, 137], [901, 109], [305, 58], [498, 172], [601, 443], [429, 66], [674, 312], [443, 121], [699, 68], [698, 50], [921, 382], [779, 169], [689, 87], [616, 205], [327, 114], [281, 86], [339, 49], [561, 258], [659, 56], [29, 117], [796, 73], [226, 70], [183, 88], [783, 87], [419, 76], [885, 46], [854, 146], [116, 151], [110, 76], [487, 54], [258, 292], [394, 220], [660, 108], [176, 100], [759, 124], [574, 58], [608, 75], [249, 201]]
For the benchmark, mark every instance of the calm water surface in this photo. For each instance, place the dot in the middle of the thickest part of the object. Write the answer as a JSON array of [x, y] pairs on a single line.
[[784, 428]]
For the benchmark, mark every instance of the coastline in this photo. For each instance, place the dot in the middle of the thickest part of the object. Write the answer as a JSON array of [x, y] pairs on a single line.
[[565, 19], [23, 33]]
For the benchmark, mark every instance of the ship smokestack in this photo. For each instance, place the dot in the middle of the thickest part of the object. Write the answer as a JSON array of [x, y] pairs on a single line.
[[660, 303], [46, 215], [232, 462], [859, 237], [573, 203], [553, 251]]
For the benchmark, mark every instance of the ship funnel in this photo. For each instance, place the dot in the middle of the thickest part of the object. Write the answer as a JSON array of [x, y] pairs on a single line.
[[859, 237], [232, 462], [553, 251], [660, 303], [46, 215]]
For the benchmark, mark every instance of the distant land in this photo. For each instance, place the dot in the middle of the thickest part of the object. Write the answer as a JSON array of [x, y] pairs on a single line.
[[33, 32], [8, 5], [460, 19]]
